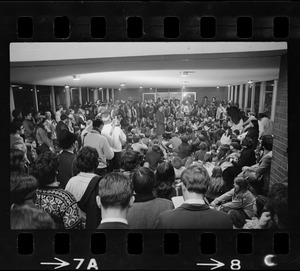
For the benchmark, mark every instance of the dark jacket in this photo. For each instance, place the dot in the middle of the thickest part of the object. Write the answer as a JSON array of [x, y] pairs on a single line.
[[153, 158], [184, 150], [145, 210], [193, 216], [60, 127], [66, 168]]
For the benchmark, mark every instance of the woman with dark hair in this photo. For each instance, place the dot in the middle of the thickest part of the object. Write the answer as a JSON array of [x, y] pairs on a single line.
[[131, 160], [18, 160], [59, 203], [146, 206], [240, 199], [216, 186], [165, 181], [44, 144]]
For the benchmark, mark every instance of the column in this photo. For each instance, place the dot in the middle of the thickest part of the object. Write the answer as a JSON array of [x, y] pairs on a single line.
[[235, 94], [246, 98], [80, 95], [35, 99], [241, 97], [87, 95], [113, 95], [274, 97], [231, 93], [102, 95], [252, 97], [68, 97], [107, 95], [52, 99], [96, 95], [262, 97], [228, 93], [12, 101]]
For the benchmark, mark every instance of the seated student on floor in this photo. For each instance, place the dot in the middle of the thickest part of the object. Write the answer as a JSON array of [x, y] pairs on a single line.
[[115, 198]]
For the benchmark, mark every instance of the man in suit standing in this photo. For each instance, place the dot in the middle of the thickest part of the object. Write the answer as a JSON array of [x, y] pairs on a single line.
[[194, 213], [115, 198]]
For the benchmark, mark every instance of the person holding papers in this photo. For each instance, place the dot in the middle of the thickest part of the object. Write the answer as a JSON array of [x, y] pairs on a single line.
[[194, 213]]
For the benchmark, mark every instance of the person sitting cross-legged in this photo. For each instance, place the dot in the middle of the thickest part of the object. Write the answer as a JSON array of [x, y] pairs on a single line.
[[194, 213], [115, 198]]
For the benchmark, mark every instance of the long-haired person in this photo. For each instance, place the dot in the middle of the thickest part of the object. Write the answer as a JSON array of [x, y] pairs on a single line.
[[165, 181], [217, 186], [240, 199]]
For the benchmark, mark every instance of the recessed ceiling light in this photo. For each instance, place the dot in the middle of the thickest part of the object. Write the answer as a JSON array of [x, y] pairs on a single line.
[[141, 87], [150, 88], [20, 87], [228, 85], [122, 85], [67, 86], [76, 77], [250, 82], [119, 88], [218, 87]]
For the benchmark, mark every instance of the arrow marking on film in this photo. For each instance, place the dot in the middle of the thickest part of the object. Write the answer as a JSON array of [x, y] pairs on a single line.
[[215, 265], [60, 264]]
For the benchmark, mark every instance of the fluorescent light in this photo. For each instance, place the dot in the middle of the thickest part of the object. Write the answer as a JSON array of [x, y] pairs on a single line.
[[76, 77]]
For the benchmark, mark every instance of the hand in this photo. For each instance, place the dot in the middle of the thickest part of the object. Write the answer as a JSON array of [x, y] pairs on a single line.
[[264, 220], [213, 204]]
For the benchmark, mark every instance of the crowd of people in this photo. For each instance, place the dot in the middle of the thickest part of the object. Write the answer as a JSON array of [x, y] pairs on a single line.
[[126, 165]]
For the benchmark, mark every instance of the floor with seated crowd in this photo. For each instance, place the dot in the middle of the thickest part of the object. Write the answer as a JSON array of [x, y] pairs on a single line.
[[149, 165]]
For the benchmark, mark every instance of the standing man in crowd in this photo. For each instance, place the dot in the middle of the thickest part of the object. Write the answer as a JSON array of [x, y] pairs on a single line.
[[95, 140], [116, 138], [160, 122]]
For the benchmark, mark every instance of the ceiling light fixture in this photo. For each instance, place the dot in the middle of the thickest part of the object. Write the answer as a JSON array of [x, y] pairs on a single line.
[[100, 88], [141, 87], [76, 77], [119, 88], [218, 87], [250, 82], [67, 86], [228, 85], [122, 85]]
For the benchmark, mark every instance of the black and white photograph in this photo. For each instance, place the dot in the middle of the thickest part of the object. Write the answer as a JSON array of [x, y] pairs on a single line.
[[148, 135]]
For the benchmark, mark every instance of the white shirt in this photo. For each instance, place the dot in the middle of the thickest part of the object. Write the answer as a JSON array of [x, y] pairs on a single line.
[[122, 220], [79, 183], [194, 201], [115, 136]]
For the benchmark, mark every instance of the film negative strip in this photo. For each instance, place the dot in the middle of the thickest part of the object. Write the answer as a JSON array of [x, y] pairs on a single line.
[[143, 22]]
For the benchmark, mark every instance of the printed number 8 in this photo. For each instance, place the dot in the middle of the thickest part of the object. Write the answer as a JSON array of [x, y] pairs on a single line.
[[235, 264]]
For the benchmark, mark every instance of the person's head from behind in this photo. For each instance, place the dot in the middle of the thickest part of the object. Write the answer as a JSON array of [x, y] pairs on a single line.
[[87, 159], [184, 139], [66, 139], [22, 187], [143, 180], [164, 177], [195, 180], [17, 160], [217, 172], [131, 160], [177, 162], [28, 218], [203, 146], [115, 192], [16, 113], [267, 142], [98, 124], [45, 168]]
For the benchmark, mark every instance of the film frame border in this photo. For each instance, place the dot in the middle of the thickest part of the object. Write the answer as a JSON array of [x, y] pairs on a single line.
[[153, 15]]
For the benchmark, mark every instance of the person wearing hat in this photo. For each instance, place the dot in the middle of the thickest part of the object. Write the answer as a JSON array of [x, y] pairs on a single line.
[[66, 158], [116, 138]]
